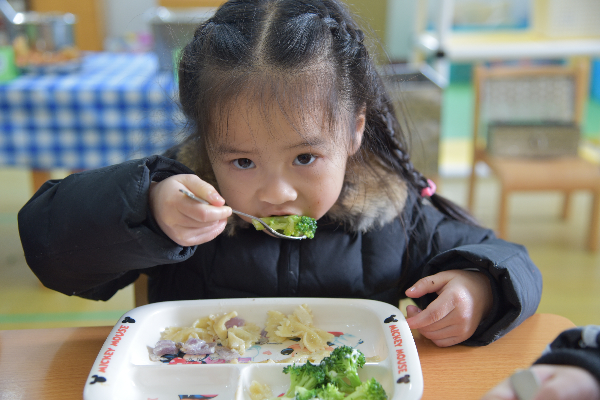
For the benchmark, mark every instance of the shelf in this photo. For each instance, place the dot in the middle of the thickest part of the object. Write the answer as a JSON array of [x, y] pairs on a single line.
[[481, 46]]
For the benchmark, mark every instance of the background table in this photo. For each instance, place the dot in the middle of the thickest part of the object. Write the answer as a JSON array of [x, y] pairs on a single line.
[[116, 107], [54, 363]]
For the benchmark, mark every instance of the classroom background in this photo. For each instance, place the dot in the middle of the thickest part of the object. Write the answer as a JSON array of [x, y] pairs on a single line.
[[121, 60]]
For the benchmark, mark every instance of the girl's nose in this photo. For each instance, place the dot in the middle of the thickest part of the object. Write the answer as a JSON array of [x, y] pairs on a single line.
[[276, 190]]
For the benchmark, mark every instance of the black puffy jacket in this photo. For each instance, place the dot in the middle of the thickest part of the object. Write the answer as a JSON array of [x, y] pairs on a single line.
[[92, 234]]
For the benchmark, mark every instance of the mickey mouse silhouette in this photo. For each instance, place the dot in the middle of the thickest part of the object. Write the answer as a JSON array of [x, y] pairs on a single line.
[[97, 379], [404, 379], [128, 320], [391, 318]]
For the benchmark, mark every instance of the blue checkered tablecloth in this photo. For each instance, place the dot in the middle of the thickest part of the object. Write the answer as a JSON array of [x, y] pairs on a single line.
[[116, 107]]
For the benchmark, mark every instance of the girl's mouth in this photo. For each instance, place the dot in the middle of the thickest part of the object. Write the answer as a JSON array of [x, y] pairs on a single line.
[[281, 214]]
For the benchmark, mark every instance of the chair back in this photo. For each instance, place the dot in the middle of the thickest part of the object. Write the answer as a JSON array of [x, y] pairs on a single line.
[[530, 110]]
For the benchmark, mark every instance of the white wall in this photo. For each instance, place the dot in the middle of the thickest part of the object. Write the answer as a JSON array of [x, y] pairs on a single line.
[[400, 28], [126, 16]]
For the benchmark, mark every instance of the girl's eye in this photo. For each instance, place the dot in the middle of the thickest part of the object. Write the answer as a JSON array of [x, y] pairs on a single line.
[[243, 163], [304, 159]]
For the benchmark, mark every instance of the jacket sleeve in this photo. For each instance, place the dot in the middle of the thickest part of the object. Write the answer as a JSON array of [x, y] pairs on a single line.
[[445, 244], [578, 347], [90, 233]]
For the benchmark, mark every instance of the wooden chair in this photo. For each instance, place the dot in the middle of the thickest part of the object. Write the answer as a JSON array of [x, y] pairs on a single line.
[[546, 94]]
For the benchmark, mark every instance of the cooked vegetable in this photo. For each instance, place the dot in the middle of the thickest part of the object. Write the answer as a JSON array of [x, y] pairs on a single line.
[[335, 378], [369, 390], [327, 392], [307, 376], [290, 225], [341, 367]]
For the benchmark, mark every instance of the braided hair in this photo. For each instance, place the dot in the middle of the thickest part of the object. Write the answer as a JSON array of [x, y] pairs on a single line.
[[278, 43]]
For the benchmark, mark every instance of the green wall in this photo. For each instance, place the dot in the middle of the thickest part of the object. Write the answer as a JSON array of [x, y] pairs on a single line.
[[373, 12], [371, 16]]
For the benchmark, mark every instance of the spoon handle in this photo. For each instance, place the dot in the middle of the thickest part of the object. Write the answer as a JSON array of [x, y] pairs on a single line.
[[193, 196]]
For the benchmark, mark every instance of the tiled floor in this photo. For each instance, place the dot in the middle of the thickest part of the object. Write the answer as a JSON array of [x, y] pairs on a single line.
[[571, 273]]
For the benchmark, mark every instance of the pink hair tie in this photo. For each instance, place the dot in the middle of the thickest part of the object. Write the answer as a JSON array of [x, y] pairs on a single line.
[[429, 190]]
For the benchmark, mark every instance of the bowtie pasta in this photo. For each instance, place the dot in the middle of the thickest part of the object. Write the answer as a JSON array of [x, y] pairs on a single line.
[[237, 335]]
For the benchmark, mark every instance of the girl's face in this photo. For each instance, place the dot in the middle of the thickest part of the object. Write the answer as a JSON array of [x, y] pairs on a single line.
[[266, 165]]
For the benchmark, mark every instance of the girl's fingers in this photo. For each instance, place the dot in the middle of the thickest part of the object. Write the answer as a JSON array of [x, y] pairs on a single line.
[[206, 236], [411, 311], [446, 322], [199, 212], [441, 333], [194, 212], [186, 237], [442, 323], [201, 189], [428, 284], [184, 220], [447, 342], [436, 311], [446, 332], [191, 225]]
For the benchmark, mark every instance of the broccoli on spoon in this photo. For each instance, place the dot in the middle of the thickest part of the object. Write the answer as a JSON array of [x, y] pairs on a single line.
[[290, 225]]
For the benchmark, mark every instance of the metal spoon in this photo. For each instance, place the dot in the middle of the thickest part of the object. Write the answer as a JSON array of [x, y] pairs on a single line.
[[263, 223]]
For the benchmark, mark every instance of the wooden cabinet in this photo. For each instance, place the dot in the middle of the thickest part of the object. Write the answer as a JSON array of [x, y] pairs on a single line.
[[89, 31]]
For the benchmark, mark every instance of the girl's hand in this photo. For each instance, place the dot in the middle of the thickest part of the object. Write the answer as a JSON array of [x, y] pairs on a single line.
[[557, 382], [184, 220], [464, 299]]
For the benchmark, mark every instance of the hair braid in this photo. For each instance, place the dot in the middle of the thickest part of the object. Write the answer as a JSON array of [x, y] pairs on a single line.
[[390, 146]]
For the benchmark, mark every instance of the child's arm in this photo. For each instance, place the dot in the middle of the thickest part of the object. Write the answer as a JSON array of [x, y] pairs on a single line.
[[556, 382], [91, 233], [464, 299], [187, 222], [568, 369], [439, 243]]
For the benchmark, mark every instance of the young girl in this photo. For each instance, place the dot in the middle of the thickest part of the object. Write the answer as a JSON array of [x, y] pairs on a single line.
[[287, 116]]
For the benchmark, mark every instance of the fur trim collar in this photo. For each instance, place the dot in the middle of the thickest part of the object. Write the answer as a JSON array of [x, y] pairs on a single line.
[[372, 195]]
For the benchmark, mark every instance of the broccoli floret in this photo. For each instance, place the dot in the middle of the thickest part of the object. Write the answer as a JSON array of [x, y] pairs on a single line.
[[327, 392], [305, 394], [307, 376], [333, 379], [341, 367], [307, 226], [369, 390], [290, 225]]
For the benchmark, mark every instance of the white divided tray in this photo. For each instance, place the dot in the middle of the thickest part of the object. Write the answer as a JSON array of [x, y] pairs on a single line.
[[123, 369]]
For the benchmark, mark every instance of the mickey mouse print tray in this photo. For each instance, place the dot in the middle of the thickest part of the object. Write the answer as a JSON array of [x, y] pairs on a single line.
[[127, 368]]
